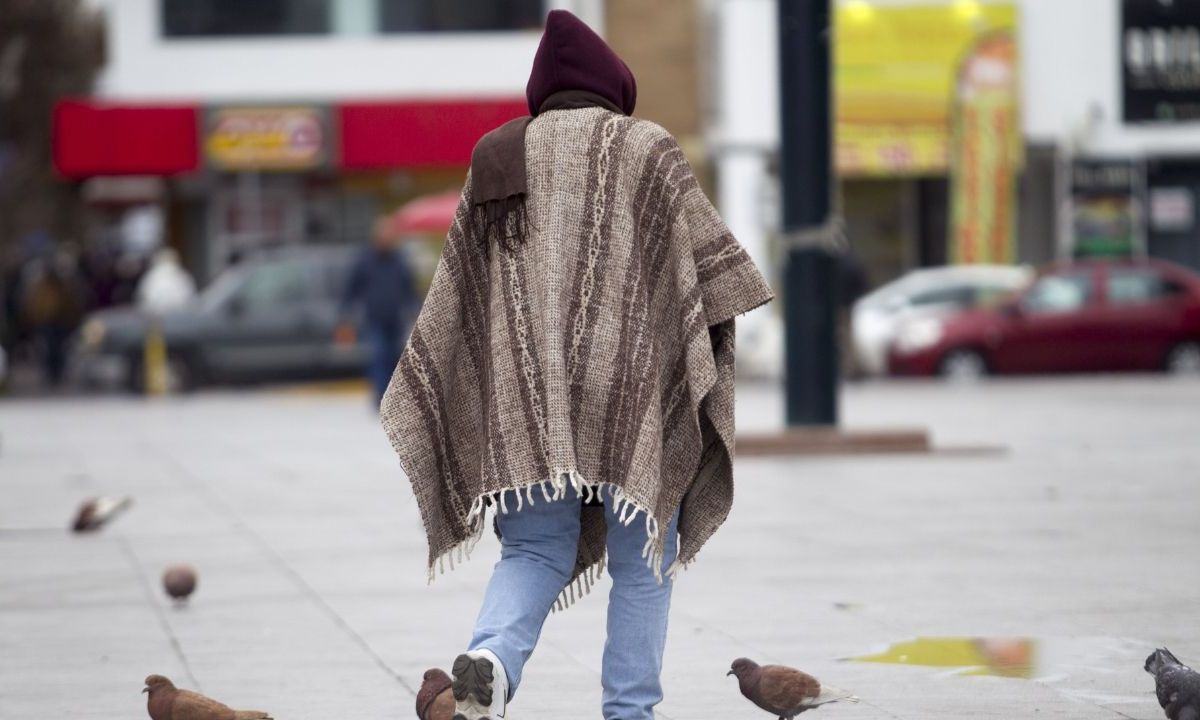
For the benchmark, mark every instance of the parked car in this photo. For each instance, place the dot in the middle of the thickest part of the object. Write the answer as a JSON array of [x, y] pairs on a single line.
[[1093, 316], [272, 317], [929, 292]]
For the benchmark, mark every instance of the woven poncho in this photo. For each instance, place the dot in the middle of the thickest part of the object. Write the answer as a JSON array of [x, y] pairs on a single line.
[[597, 354]]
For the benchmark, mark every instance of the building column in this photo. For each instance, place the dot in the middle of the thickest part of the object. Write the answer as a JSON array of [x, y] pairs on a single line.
[[744, 201], [589, 11], [741, 197], [355, 17]]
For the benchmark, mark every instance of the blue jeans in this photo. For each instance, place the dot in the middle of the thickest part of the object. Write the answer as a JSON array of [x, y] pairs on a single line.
[[537, 557], [385, 345]]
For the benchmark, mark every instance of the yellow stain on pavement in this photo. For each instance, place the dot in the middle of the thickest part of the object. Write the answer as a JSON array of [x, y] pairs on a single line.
[[1003, 657]]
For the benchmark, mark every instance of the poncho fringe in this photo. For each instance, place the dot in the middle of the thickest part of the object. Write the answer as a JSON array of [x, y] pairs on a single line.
[[624, 507]]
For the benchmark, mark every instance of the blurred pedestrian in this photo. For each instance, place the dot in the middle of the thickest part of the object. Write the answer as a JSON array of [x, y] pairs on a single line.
[[100, 274], [52, 307], [381, 283], [129, 270], [165, 286], [572, 369]]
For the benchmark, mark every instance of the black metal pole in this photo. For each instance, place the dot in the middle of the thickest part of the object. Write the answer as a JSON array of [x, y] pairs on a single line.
[[806, 170]]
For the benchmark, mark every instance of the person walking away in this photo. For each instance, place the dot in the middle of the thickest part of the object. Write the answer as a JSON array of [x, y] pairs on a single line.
[[571, 372], [52, 308], [380, 282], [165, 286]]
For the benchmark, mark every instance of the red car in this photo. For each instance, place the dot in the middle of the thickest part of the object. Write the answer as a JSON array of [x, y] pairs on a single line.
[[1093, 316]]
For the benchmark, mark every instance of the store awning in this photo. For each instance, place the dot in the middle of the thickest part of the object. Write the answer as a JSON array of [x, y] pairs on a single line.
[[92, 138], [418, 134], [96, 139]]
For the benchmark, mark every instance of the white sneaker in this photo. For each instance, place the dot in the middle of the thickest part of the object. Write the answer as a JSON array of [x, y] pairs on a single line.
[[480, 686]]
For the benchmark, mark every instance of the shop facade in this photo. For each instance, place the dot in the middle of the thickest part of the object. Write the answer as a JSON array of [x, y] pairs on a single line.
[[1104, 137], [298, 122], [236, 179]]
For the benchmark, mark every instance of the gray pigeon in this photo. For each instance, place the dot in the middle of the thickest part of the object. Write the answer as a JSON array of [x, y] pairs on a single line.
[[783, 691], [1177, 685], [94, 513]]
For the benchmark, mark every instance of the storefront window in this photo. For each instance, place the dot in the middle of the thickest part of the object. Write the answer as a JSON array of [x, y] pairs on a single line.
[[216, 18], [459, 15], [243, 18]]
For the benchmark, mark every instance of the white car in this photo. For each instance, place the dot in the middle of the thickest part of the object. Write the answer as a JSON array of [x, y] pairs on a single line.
[[929, 292]]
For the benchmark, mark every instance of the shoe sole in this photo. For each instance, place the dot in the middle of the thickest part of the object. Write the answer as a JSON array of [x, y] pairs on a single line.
[[472, 687]]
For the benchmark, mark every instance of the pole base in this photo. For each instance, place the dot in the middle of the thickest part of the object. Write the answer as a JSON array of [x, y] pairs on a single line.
[[830, 440]]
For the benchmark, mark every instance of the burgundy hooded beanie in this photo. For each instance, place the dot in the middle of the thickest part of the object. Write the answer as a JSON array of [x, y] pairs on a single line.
[[573, 68], [572, 56]]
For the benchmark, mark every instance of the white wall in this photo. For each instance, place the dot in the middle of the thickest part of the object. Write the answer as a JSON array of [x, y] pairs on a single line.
[[145, 66]]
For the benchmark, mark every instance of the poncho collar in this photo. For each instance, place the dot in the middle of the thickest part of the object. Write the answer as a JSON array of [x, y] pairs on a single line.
[[573, 68], [499, 182]]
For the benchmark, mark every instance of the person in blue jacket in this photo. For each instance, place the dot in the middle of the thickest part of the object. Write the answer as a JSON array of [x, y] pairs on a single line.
[[381, 281]]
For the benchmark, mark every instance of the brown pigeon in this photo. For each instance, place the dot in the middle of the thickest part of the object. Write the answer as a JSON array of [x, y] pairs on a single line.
[[783, 691], [435, 701], [179, 581], [95, 512], [168, 703]]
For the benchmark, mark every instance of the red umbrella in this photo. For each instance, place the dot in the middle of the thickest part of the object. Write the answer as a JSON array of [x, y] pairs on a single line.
[[428, 214]]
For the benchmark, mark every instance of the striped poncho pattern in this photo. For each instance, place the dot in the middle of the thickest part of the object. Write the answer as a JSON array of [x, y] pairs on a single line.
[[598, 354]]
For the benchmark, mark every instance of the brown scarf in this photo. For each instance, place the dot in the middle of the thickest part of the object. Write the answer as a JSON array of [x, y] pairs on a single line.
[[498, 181]]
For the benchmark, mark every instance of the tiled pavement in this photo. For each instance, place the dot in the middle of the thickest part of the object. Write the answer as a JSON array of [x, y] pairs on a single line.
[[312, 600]]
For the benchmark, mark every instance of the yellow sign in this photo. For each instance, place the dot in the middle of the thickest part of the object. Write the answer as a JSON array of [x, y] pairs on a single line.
[[896, 76], [284, 138]]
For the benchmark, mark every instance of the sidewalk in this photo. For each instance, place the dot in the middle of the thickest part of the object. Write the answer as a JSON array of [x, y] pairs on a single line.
[[312, 600]]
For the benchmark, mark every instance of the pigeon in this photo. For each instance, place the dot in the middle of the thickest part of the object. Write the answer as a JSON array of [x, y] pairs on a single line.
[[166, 702], [179, 581], [435, 701], [783, 691], [1177, 685], [96, 512]]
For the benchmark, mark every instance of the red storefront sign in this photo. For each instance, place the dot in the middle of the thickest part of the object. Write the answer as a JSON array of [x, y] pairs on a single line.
[[418, 134], [93, 138]]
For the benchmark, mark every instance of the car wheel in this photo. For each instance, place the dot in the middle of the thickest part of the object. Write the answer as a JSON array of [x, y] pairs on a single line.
[[1184, 359], [964, 366]]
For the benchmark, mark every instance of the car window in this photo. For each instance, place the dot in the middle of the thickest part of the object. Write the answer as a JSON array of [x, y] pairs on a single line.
[[956, 295], [991, 295], [1058, 294], [1135, 286], [274, 284]]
